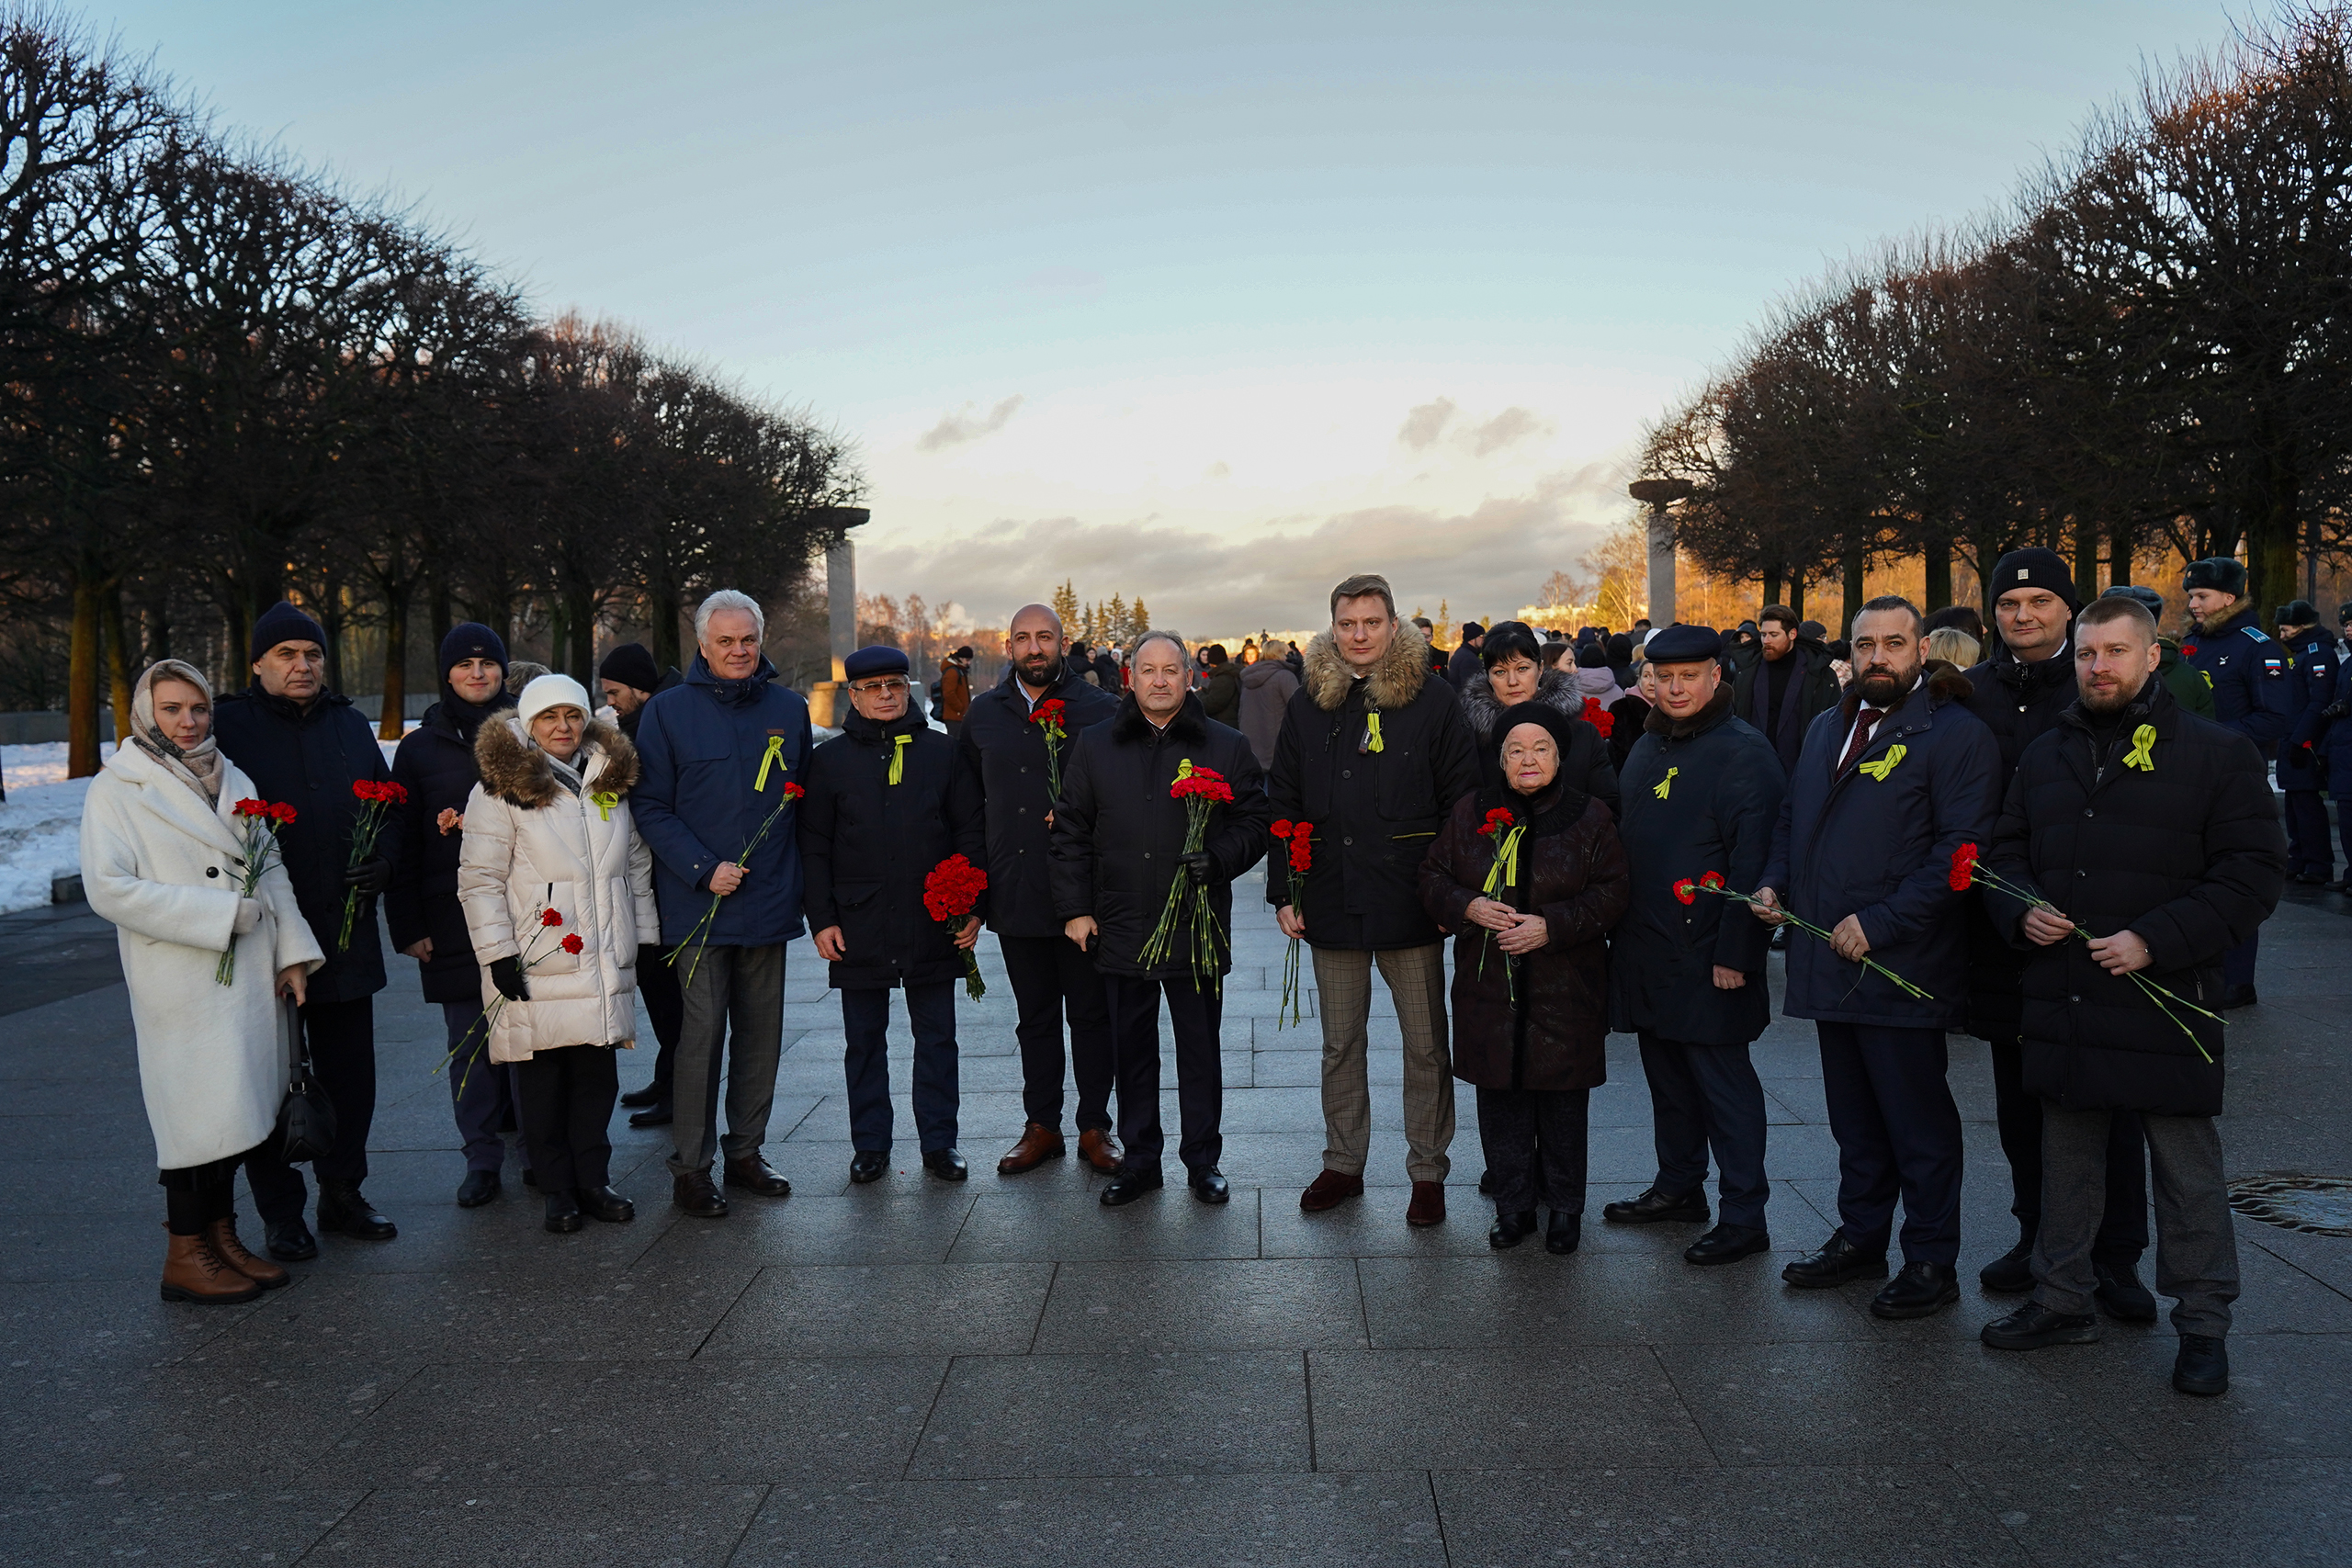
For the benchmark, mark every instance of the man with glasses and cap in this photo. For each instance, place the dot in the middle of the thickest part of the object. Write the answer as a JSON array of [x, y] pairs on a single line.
[[2310, 856]]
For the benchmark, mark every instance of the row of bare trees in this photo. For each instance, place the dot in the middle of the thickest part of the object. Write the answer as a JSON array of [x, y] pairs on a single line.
[[2150, 355], [222, 381]]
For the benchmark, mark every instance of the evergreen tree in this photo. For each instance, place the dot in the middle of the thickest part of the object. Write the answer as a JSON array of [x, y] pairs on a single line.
[[1066, 606]]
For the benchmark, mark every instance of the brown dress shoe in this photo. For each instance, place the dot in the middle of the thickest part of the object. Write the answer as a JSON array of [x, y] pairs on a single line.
[[1428, 1207], [1100, 1150], [698, 1196], [221, 1235], [1038, 1144], [193, 1272], [1327, 1189]]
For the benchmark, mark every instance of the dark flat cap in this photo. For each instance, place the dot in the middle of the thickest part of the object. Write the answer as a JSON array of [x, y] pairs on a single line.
[[868, 662], [1679, 644]]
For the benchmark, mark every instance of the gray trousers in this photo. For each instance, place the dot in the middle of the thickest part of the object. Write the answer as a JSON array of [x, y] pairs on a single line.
[[737, 992], [2197, 1244], [1416, 978]]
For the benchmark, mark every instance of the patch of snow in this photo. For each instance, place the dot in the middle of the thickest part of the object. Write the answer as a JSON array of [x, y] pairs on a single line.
[[40, 835], [41, 764]]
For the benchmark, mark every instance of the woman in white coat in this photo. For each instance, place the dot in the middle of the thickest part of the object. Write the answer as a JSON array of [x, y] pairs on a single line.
[[558, 891], [163, 858]]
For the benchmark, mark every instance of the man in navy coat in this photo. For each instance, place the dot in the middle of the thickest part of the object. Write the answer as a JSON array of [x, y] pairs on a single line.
[[1890, 784]]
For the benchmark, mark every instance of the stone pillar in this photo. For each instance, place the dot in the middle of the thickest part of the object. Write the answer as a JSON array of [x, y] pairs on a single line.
[[826, 702], [1660, 494]]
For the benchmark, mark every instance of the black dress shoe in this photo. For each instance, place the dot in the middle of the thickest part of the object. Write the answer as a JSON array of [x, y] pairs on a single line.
[[651, 1116], [1727, 1244], [2033, 1325], [2119, 1294], [1209, 1186], [1486, 1184], [947, 1165], [1655, 1206], [604, 1203], [478, 1188], [563, 1212], [2310, 878], [344, 1209], [753, 1174], [638, 1099], [1920, 1290], [1562, 1234], [1509, 1230], [290, 1241], [1839, 1262], [695, 1195], [1130, 1185], [868, 1165], [2202, 1367], [2011, 1274], [2239, 996]]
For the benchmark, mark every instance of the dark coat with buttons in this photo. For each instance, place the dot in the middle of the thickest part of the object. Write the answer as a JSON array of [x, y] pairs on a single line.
[[1118, 833], [1375, 812], [436, 765], [2187, 853], [1852, 843], [2336, 739], [2315, 678], [867, 845], [309, 761], [1005, 754], [2252, 676], [2019, 702], [1716, 812]]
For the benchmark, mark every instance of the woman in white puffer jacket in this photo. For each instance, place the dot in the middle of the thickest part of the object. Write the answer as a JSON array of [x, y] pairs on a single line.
[[558, 891]]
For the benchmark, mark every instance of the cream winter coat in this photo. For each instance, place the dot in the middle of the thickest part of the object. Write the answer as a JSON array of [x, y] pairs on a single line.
[[530, 844], [166, 869]]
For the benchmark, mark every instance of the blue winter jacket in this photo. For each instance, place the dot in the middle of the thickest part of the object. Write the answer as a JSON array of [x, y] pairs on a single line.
[[708, 781], [1879, 843]]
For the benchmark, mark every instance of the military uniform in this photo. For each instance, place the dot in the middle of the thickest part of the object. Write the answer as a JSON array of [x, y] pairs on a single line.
[[2253, 678], [2301, 772]]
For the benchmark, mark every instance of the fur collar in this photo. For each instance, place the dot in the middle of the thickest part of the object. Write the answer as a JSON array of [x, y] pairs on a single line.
[[1945, 684], [1191, 723], [1658, 723], [1555, 689], [1394, 681], [517, 772]]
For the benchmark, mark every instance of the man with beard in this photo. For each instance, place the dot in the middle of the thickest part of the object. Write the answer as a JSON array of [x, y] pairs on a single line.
[[1005, 749], [2148, 843], [1889, 786], [2253, 694], [1790, 685]]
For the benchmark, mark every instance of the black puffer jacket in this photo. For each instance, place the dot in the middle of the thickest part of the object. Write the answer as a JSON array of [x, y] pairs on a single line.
[[1006, 753], [2020, 703], [2186, 852], [867, 845], [1588, 764], [436, 765], [1375, 812], [1118, 833], [1813, 690], [309, 761]]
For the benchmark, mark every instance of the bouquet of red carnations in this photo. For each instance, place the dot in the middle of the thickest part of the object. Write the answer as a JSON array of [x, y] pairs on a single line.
[[259, 820], [1047, 717], [377, 799], [949, 892], [1187, 910], [1300, 837], [1600, 718], [1505, 833], [532, 957]]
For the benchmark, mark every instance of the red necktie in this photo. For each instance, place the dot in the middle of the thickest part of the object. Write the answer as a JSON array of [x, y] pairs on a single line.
[[1865, 726]]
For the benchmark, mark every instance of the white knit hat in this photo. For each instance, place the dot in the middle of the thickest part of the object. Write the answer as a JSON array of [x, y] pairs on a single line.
[[547, 691]]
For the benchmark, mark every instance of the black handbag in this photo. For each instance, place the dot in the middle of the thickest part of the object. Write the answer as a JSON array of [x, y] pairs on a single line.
[[305, 1120]]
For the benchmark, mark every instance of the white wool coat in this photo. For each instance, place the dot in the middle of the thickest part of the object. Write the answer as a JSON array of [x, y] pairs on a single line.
[[530, 844], [166, 869]]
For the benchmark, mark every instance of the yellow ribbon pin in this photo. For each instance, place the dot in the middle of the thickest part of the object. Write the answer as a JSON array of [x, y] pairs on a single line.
[[899, 758], [1659, 789], [774, 753], [1372, 722], [605, 800], [1884, 765], [2144, 746]]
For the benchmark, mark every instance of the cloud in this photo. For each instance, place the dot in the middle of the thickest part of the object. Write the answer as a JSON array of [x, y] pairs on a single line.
[[1217, 470], [954, 429], [1429, 424], [1426, 424], [1513, 425]]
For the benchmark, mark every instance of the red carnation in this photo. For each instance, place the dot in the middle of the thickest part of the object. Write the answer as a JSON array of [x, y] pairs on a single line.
[[794, 792], [281, 812], [572, 943], [1712, 882], [1597, 716], [1686, 891], [1282, 828], [549, 918], [1963, 867], [1499, 821]]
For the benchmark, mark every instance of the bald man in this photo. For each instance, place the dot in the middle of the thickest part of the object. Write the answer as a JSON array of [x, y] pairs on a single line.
[[1005, 750]]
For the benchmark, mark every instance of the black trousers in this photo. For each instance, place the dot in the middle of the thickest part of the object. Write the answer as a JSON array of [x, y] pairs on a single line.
[[342, 1037], [866, 1065], [1534, 1142], [2123, 1226], [1705, 1097], [196, 1195], [564, 1100], [1898, 1132], [2309, 848], [665, 1004], [1051, 980], [1194, 1014]]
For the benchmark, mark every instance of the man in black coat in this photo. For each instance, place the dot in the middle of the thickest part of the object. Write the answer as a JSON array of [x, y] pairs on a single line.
[[1119, 848], [1780, 693], [1463, 667], [305, 746], [2020, 693], [2311, 852], [887, 805], [1373, 753], [436, 765], [1702, 794], [629, 680], [2152, 838], [1004, 748]]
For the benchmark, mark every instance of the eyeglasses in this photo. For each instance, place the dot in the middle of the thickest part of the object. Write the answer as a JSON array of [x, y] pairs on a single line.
[[891, 684]]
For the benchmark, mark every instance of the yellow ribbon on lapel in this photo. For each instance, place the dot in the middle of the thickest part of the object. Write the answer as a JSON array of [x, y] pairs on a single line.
[[2144, 746], [1659, 789], [1372, 722], [899, 758], [774, 753], [1884, 765], [604, 800], [1505, 872]]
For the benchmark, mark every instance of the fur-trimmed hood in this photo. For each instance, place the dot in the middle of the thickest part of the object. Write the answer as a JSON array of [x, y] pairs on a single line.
[[1946, 683], [1395, 681], [517, 772], [1555, 689]]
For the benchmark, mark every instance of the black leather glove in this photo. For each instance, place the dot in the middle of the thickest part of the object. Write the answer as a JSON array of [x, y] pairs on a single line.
[[506, 974], [1199, 867], [2336, 709], [370, 876]]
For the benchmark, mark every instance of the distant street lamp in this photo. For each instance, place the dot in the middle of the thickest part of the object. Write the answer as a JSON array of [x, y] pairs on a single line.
[[1657, 495]]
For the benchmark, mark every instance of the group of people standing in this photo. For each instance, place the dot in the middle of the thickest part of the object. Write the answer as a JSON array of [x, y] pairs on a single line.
[[552, 860]]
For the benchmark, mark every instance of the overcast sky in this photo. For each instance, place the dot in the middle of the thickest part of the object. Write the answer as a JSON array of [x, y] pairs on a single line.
[[1210, 303]]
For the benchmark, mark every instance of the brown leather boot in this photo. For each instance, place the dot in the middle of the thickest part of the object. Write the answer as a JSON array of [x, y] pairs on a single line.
[[221, 1235], [193, 1273], [1038, 1144], [1328, 1189], [1428, 1207], [1100, 1150]]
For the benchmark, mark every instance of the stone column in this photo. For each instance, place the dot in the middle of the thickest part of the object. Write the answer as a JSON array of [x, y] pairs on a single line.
[[826, 702], [1660, 494]]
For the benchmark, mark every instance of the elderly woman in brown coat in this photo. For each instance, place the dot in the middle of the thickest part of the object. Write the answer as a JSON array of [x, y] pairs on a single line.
[[1530, 877]]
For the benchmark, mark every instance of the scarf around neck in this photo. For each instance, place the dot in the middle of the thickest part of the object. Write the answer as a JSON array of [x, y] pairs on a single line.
[[197, 766]]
